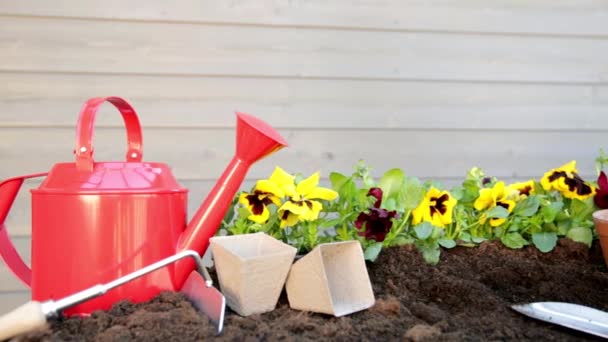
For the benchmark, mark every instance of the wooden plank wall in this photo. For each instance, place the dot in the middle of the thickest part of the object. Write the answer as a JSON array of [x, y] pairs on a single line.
[[433, 87]]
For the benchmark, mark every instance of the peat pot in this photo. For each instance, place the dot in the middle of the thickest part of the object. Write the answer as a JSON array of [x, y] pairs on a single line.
[[251, 270], [600, 219], [331, 279]]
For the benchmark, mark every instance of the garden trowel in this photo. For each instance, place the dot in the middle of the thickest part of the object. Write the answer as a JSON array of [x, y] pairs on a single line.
[[574, 316], [198, 288]]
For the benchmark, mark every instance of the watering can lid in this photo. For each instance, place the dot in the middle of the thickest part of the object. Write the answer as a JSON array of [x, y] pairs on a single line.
[[110, 177]]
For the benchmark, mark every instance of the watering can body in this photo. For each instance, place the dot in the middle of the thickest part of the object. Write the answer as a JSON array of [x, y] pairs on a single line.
[[93, 222], [93, 227]]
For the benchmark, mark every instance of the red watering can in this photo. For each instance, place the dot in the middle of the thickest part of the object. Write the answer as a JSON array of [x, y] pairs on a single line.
[[93, 222]]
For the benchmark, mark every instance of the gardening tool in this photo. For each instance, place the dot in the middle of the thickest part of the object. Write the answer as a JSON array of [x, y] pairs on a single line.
[[93, 222], [34, 315], [574, 316]]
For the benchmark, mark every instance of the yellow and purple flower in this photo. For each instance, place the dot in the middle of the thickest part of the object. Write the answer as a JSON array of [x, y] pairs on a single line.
[[566, 180], [523, 189], [492, 197], [301, 203], [436, 208], [264, 193]]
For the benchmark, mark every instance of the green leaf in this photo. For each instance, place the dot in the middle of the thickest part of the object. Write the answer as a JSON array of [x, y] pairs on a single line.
[[345, 186], [563, 227], [527, 207], [389, 204], [372, 251], [337, 180], [457, 192], [423, 230], [330, 223], [391, 183], [447, 243], [550, 211], [581, 209], [513, 240], [244, 212], [464, 236], [544, 241], [413, 192], [402, 240], [497, 212], [478, 239], [430, 253], [581, 234]]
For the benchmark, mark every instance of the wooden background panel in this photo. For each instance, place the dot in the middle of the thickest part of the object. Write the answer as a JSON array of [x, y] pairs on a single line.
[[202, 154], [32, 100], [11, 300], [565, 17], [39, 44]]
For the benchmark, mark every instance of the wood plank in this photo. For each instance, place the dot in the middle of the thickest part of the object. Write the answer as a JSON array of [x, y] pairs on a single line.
[[565, 17], [11, 300], [200, 154], [40, 44], [204, 102]]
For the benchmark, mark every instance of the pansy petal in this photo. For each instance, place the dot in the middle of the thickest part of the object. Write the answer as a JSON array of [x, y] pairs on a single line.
[[569, 167], [289, 220], [602, 181], [495, 222], [322, 193], [313, 213], [295, 208], [262, 217], [284, 180], [243, 199], [485, 199], [377, 194], [307, 185], [418, 214], [266, 186]]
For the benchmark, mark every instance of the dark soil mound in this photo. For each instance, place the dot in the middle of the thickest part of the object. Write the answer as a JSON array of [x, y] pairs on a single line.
[[465, 297]]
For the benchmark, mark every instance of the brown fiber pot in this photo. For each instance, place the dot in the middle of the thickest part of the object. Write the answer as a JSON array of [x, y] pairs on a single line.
[[600, 218]]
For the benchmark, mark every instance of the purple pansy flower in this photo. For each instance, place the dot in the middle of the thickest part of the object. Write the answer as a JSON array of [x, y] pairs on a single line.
[[375, 223]]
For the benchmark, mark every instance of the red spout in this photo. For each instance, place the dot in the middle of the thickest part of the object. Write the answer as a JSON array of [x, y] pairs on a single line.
[[255, 139]]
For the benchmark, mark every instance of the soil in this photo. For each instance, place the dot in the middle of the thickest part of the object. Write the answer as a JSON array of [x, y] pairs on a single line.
[[464, 297]]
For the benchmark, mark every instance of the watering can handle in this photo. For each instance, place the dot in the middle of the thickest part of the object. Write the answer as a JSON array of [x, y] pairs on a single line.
[[84, 131], [8, 192]]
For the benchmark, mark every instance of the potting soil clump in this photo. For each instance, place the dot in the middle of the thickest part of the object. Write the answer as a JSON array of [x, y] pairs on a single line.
[[464, 297]]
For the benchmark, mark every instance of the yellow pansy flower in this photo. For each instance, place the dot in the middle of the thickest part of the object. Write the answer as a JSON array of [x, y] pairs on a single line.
[[301, 204], [436, 208], [492, 197], [566, 180], [264, 193]]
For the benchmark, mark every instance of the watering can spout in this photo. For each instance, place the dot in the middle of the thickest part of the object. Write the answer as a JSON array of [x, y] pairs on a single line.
[[255, 139]]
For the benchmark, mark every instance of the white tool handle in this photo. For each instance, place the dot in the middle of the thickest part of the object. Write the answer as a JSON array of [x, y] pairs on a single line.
[[26, 318]]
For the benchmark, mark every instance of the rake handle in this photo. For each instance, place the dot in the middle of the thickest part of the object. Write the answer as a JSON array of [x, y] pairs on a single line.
[[28, 317]]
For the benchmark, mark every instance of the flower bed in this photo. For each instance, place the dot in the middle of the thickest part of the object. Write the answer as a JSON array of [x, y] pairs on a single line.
[[398, 210], [464, 297]]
